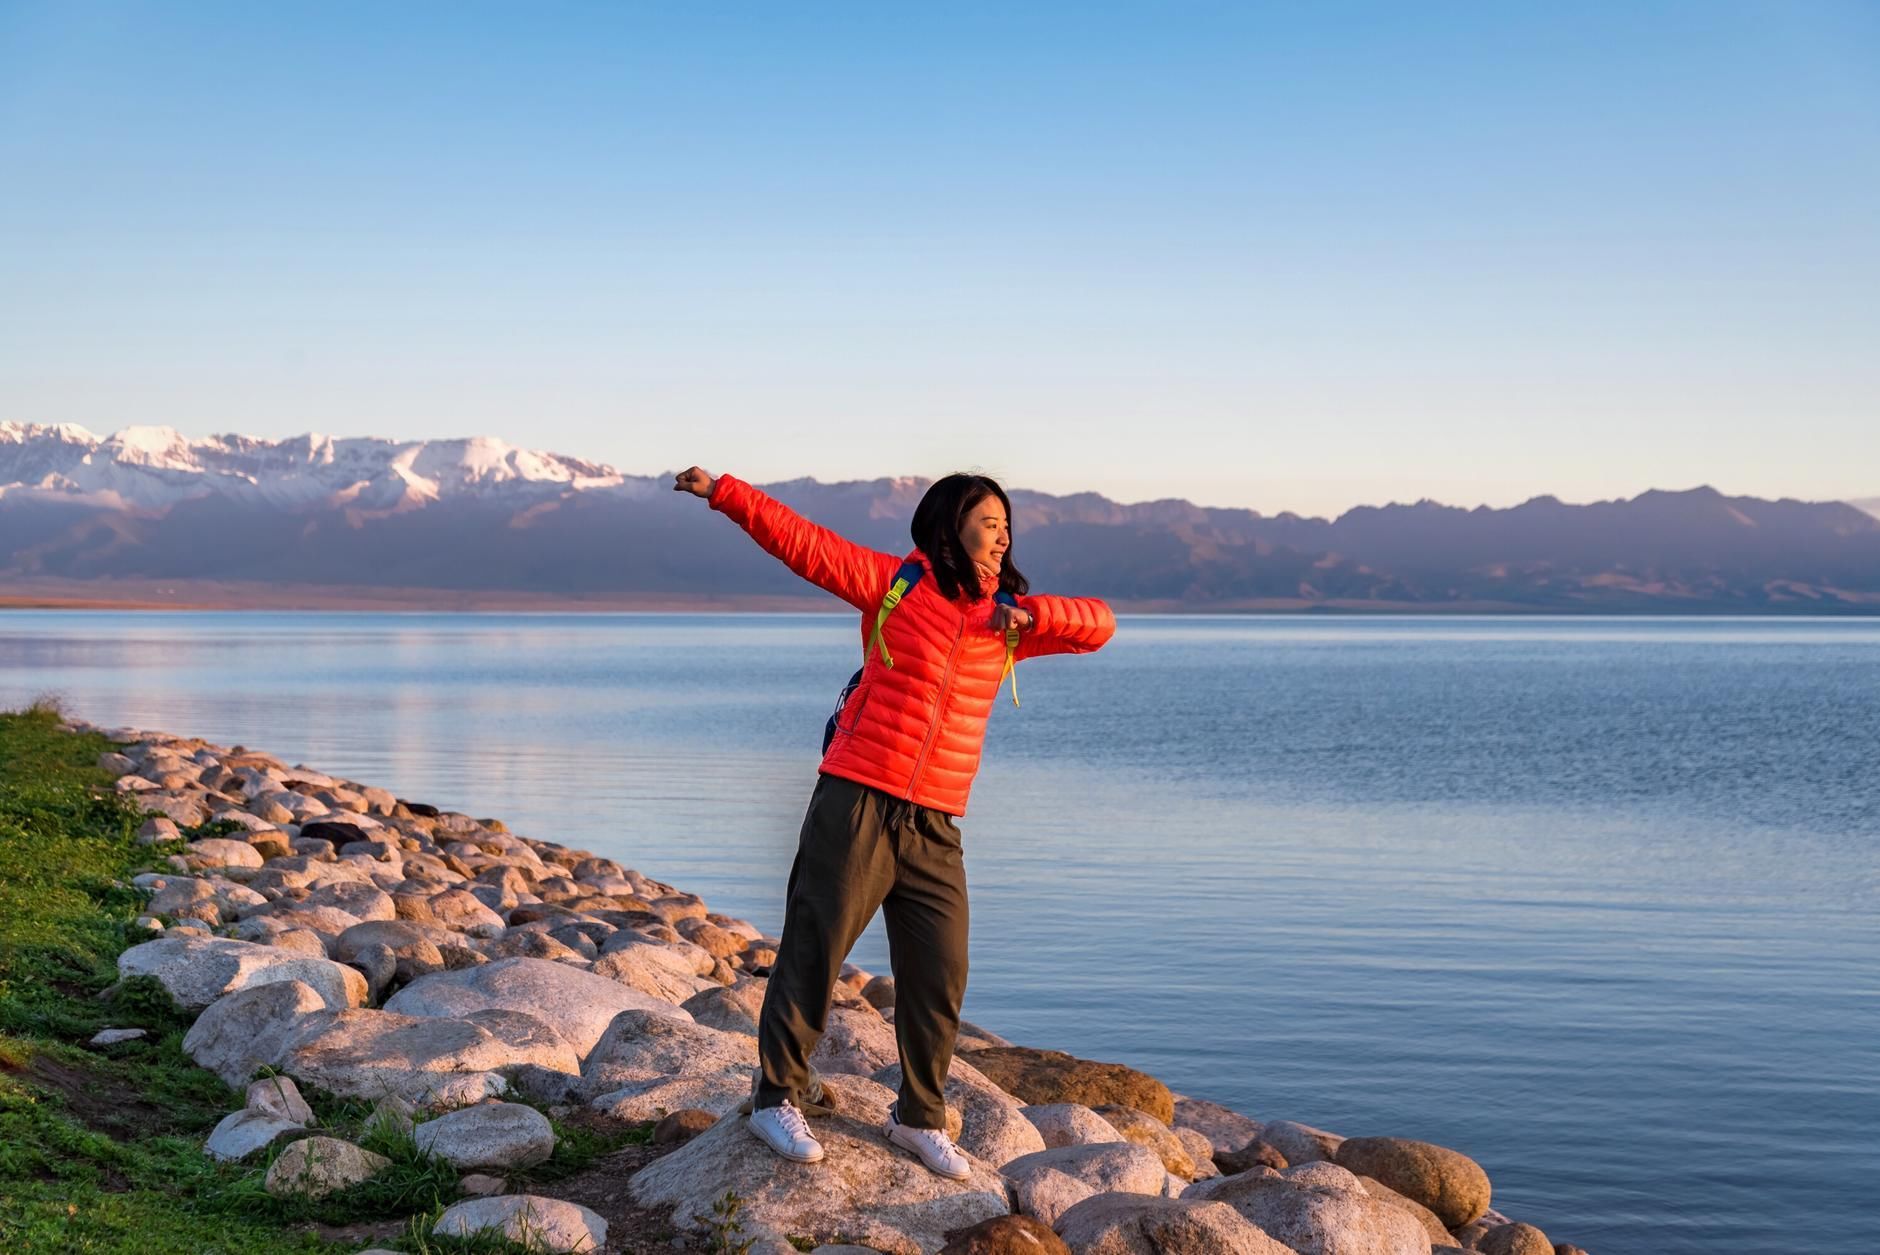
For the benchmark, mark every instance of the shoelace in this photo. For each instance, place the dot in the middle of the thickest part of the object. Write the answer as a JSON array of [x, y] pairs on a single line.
[[792, 1120], [936, 1138]]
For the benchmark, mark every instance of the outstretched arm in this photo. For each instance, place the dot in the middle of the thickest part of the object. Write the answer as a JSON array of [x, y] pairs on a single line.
[[1064, 625], [855, 573]]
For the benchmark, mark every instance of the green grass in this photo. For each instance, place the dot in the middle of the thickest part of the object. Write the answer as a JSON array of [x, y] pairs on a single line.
[[101, 1150]]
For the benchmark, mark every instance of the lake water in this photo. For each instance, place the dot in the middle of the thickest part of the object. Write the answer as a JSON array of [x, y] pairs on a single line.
[[1591, 900]]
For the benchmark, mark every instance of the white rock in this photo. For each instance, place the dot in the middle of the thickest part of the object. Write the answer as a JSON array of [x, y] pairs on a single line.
[[1300, 1143], [198, 970], [222, 852], [489, 1135], [645, 1046], [1226, 1129], [1317, 1208], [548, 1224], [112, 1036], [1048, 1183], [577, 1004], [428, 1060], [244, 1132], [314, 1167], [653, 969], [856, 1041], [279, 1097], [249, 1029], [874, 1194], [1070, 1124], [1134, 1224]]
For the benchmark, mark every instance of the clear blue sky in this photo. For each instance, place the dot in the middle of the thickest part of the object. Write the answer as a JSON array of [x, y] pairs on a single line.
[[1287, 256]]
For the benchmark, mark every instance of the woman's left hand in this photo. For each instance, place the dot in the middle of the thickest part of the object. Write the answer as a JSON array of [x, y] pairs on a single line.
[[1010, 616]]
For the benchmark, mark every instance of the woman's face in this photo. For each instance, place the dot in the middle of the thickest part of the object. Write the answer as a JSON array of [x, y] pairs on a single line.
[[985, 534]]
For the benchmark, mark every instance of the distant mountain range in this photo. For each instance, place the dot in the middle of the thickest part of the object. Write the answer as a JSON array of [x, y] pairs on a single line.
[[150, 515]]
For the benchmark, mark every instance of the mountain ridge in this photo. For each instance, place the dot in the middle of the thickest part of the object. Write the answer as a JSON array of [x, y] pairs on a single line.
[[479, 515]]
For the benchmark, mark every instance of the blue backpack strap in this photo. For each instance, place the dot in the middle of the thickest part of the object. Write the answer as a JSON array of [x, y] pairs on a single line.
[[1004, 598], [904, 579]]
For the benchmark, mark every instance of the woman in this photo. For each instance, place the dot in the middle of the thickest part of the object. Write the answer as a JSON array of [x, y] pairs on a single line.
[[879, 832]]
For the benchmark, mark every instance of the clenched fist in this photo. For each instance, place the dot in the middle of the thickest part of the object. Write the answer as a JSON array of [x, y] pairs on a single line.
[[1010, 616], [694, 480]]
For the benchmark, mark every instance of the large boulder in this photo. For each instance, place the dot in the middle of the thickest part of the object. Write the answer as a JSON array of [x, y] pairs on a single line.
[[414, 950], [1300, 1143], [577, 1004], [542, 1224], [1069, 1124], [993, 1126], [1432, 1225], [1046, 1076], [241, 1032], [1145, 1130], [1446, 1181], [734, 1008], [1048, 1183], [460, 911], [1317, 1208], [198, 970], [1226, 1129], [426, 1060], [488, 1135], [221, 852], [1135, 1224], [855, 1040], [873, 1194], [643, 1050], [652, 968]]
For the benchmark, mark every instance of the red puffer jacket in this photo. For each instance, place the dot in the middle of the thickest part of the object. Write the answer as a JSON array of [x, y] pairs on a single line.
[[914, 729]]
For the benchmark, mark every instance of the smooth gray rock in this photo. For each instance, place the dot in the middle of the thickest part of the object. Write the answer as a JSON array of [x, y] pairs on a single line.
[[198, 970], [575, 1003], [1070, 1124], [314, 1167], [1317, 1208], [428, 1060], [248, 1029], [875, 1194], [488, 1135], [1048, 1183], [242, 1133], [279, 1097], [549, 1224], [1136, 1224]]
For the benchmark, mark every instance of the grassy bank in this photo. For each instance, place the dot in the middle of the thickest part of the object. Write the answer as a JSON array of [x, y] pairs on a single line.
[[101, 1148]]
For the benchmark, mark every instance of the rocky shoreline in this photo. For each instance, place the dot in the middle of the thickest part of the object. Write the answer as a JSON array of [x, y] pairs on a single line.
[[465, 978]]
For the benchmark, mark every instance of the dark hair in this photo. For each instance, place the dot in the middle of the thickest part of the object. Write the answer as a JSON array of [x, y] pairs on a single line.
[[936, 531]]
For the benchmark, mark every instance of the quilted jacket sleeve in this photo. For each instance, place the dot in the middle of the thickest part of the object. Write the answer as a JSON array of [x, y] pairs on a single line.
[[1064, 625], [856, 574]]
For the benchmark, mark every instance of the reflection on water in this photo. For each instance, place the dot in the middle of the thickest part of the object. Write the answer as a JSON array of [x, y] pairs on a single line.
[[1589, 899]]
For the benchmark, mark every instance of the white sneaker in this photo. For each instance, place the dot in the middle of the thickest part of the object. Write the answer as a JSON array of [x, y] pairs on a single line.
[[934, 1147], [785, 1131]]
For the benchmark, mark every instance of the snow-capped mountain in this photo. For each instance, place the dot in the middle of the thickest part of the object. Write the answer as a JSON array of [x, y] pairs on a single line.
[[148, 470], [426, 518]]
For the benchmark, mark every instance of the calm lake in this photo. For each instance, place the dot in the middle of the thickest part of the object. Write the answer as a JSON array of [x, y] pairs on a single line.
[[1589, 899]]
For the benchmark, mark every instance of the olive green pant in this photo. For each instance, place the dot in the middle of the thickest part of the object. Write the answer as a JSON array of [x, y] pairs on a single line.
[[863, 849]]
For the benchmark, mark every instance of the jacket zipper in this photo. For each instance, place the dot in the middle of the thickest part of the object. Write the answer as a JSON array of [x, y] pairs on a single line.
[[939, 711]]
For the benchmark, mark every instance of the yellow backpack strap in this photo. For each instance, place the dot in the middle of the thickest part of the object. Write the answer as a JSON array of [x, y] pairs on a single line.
[[1011, 646], [1011, 651], [904, 579]]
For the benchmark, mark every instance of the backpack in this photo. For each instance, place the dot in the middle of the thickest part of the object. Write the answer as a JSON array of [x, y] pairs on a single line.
[[905, 579]]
